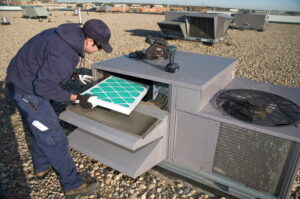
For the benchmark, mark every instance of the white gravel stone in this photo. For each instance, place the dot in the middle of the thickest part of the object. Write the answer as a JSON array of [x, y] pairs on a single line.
[[143, 187], [151, 186], [144, 195]]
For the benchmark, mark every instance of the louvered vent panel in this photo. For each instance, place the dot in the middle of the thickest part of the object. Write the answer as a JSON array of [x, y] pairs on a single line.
[[175, 30], [201, 27], [252, 158]]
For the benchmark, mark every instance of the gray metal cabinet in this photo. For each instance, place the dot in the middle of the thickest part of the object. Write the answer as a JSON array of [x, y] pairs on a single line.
[[135, 143], [191, 136]]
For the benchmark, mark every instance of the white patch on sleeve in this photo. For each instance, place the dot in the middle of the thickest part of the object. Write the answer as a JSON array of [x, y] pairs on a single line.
[[39, 125]]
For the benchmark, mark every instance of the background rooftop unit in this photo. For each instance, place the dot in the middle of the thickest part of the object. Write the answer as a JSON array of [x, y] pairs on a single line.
[[205, 27], [253, 21], [35, 12]]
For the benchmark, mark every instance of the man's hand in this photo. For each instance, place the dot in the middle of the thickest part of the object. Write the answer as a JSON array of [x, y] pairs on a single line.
[[83, 79], [86, 101]]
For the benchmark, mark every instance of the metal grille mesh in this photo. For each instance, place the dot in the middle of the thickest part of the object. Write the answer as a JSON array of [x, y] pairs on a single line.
[[175, 30], [258, 107], [251, 158], [201, 27]]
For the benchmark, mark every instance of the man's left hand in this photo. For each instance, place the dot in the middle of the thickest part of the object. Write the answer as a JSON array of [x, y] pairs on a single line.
[[83, 79], [86, 101]]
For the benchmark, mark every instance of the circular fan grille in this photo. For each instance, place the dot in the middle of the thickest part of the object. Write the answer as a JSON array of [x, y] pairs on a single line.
[[258, 107]]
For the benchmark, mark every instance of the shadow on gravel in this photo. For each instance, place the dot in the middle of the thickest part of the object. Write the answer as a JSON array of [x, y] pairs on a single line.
[[12, 177], [144, 33]]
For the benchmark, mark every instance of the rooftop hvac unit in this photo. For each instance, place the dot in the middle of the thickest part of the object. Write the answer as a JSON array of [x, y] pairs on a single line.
[[173, 29], [35, 12], [205, 27], [249, 21], [235, 135]]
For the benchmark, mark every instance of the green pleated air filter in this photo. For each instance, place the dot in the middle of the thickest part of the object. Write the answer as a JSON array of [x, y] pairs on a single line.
[[118, 94]]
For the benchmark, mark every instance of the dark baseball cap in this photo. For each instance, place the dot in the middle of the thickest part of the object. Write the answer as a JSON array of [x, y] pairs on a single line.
[[99, 32]]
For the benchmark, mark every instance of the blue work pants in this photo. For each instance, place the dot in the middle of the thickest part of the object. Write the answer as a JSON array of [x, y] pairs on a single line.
[[49, 143]]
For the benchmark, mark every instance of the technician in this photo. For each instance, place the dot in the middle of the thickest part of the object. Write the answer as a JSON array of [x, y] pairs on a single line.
[[34, 76]]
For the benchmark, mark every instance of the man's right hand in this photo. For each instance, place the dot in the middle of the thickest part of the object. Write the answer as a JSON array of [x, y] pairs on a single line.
[[86, 101]]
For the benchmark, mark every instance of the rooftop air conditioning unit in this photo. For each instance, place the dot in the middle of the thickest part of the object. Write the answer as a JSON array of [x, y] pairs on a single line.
[[35, 12], [205, 27], [235, 135], [253, 21]]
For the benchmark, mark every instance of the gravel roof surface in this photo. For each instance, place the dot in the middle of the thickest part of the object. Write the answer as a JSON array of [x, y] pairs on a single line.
[[271, 56]]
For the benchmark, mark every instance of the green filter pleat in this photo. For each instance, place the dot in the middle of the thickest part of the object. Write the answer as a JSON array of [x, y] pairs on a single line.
[[95, 90], [101, 95], [107, 89], [119, 89], [103, 84], [118, 100], [125, 105], [134, 94], [129, 100], [113, 85], [129, 89], [107, 100], [124, 84], [110, 80], [139, 88], [112, 94], [124, 94]]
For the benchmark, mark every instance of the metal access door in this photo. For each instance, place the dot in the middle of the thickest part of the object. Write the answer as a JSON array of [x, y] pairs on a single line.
[[130, 144]]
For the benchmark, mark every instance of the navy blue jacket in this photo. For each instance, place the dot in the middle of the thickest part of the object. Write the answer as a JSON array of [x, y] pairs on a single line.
[[46, 61]]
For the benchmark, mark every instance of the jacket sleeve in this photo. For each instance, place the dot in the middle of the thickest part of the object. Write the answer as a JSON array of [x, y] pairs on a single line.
[[56, 69]]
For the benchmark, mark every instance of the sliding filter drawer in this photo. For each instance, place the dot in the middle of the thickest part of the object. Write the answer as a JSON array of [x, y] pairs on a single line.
[[131, 163], [129, 143], [144, 125]]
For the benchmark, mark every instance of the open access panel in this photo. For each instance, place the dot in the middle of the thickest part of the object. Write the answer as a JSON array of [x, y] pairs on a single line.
[[177, 127]]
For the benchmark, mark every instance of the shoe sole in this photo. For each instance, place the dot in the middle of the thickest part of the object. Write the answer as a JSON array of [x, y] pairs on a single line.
[[94, 189], [44, 176]]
